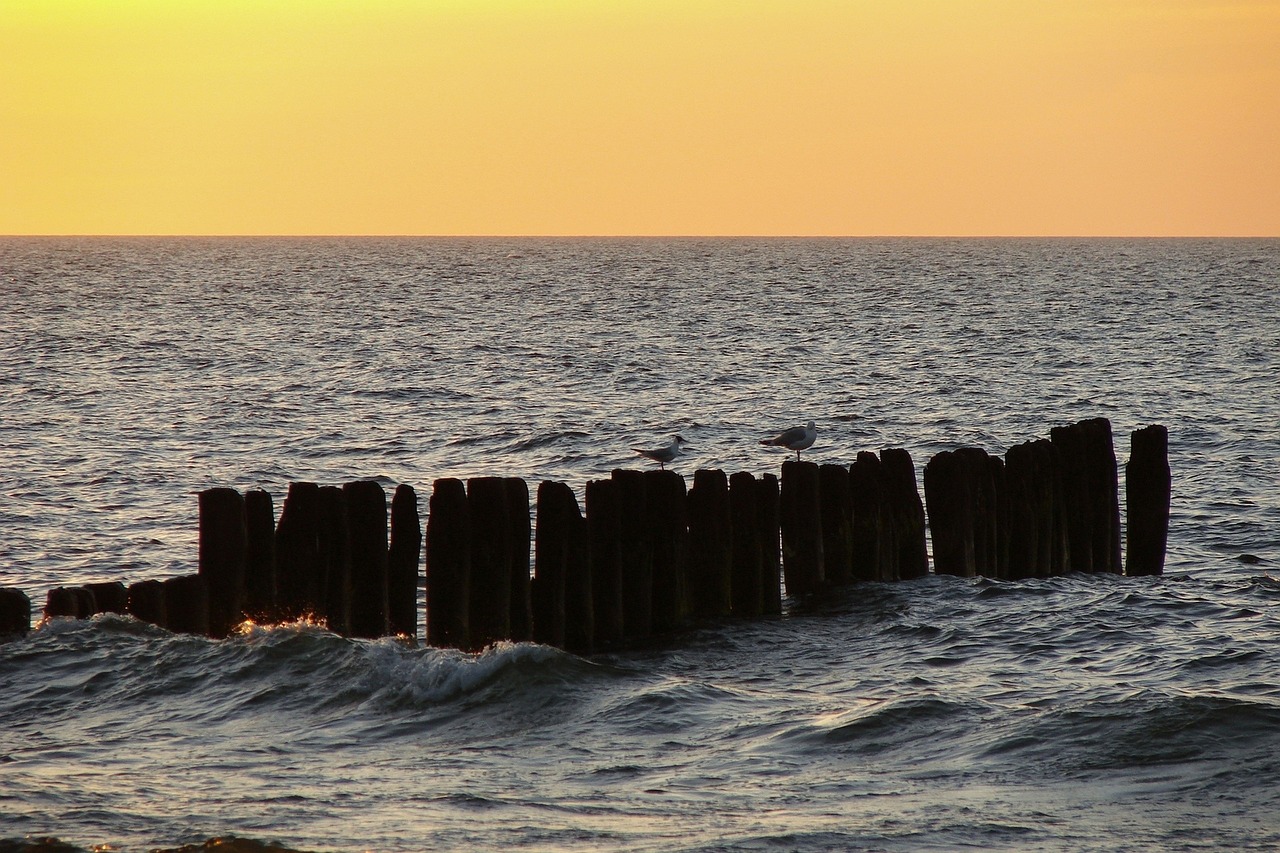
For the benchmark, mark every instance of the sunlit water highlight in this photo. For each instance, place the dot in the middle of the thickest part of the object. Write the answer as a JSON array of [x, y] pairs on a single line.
[[1075, 713]]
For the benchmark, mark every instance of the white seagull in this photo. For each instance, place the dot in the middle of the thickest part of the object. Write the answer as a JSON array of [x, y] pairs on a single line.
[[797, 438], [663, 455]]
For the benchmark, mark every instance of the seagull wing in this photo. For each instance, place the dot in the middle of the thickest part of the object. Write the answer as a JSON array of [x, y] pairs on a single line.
[[787, 438]]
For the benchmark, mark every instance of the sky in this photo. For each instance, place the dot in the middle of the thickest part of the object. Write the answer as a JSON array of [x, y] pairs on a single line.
[[640, 117]]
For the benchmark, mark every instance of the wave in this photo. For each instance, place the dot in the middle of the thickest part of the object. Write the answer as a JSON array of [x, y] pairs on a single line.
[[224, 844], [876, 726], [1146, 729], [134, 674]]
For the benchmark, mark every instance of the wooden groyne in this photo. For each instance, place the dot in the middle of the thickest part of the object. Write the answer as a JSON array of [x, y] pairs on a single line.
[[648, 556]]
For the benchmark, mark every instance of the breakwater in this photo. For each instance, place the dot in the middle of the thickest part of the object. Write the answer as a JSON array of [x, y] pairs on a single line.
[[644, 553]]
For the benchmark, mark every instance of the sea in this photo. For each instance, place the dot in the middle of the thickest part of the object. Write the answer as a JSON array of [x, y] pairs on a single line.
[[1074, 713]]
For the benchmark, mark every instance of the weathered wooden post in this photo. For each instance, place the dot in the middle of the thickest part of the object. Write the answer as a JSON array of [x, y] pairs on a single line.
[[75, 602], [448, 565], [1104, 477], [299, 588], [636, 555], [907, 513], [368, 536], [837, 524], [186, 604], [710, 567], [224, 543], [551, 560], [1090, 486], [521, 537], [1025, 524], [260, 555], [333, 561], [769, 517], [979, 488], [404, 555], [667, 514], [604, 527], [579, 609], [1053, 551], [367, 526], [1075, 495], [947, 496], [146, 602], [867, 509], [109, 597], [1148, 492], [999, 508], [748, 550], [490, 561], [15, 612], [801, 516]]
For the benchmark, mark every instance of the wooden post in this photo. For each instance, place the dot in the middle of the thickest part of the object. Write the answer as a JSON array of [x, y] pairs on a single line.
[[404, 555], [1090, 486], [1025, 509], [556, 506], [946, 494], [1104, 483], [367, 527], [1053, 547], [866, 496], [1057, 548], [260, 556], [15, 613], [579, 610], [224, 544], [604, 526], [186, 604], [636, 555], [333, 561], [109, 597], [907, 512], [801, 511], [521, 536], [490, 561], [1148, 493], [448, 565], [999, 494], [146, 602], [75, 602], [748, 551], [837, 524], [298, 584], [768, 516], [667, 513], [1075, 493], [710, 567], [979, 490]]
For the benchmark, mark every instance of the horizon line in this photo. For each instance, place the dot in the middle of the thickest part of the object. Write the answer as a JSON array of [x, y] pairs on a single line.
[[407, 236]]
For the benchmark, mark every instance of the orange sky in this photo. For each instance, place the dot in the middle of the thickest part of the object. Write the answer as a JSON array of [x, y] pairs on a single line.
[[816, 117]]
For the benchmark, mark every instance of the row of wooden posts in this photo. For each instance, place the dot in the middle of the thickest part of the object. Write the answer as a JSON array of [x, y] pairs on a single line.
[[648, 557]]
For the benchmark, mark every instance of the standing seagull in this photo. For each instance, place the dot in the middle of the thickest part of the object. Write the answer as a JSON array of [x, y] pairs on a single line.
[[663, 455], [796, 438]]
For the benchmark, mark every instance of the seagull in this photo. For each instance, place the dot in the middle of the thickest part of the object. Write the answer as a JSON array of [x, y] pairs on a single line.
[[663, 455], [796, 438]]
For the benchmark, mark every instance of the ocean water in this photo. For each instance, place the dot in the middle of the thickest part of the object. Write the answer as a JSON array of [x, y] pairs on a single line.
[[1072, 713]]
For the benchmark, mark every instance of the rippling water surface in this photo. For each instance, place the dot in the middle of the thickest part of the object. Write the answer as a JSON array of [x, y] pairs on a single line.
[[1073, 713]]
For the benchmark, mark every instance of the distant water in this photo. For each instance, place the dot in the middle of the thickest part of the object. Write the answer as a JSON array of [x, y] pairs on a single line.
[[1074, 713]]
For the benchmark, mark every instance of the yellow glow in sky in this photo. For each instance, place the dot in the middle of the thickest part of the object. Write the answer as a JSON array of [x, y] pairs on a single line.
[[723, 117]]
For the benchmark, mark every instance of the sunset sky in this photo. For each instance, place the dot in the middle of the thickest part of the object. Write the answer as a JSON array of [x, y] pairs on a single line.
[[640, 117]]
